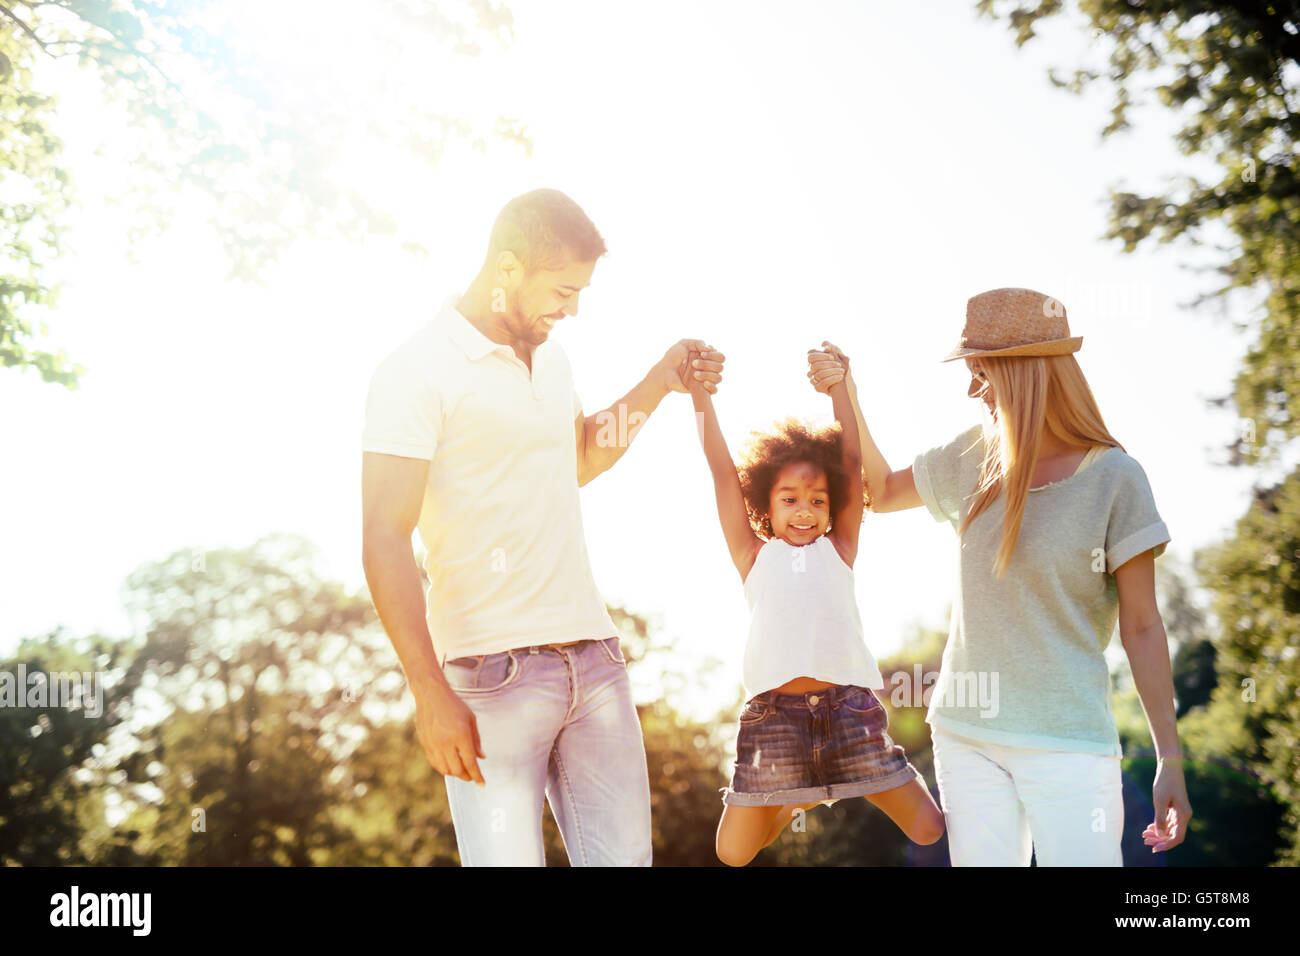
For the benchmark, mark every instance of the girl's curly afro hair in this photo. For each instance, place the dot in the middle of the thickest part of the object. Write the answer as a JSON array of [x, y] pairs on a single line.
[[790, 442]]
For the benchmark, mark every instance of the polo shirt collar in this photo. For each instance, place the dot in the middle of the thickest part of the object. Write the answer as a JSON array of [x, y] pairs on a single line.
[[464, 333]]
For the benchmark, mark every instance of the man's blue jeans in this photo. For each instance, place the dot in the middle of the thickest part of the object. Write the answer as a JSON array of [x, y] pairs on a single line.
[[555, 723]]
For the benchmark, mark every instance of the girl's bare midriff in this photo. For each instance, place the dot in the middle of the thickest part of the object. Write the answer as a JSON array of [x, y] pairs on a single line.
[[802, 685]]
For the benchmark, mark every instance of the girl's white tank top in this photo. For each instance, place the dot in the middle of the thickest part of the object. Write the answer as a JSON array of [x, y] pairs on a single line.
[[804, 619]]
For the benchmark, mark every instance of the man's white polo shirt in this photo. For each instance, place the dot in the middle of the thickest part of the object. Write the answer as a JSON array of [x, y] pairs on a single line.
[[507, 559]]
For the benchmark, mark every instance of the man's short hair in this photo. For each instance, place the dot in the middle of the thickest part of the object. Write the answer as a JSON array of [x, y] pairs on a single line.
[[542, 227]]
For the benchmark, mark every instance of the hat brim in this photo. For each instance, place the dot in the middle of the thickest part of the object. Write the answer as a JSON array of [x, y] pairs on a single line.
[[1054, 347]]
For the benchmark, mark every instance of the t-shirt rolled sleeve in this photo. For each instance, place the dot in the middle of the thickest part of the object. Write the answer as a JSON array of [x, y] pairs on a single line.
[[1135, 525], [403, 410], [937, 473], [924, 486]]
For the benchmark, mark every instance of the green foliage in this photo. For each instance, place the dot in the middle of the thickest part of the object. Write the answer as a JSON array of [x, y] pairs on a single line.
[[206, 113], [36, 198], [1255, 710], [1194, 675], [53, 759], [1238, 816], [688, 766], [393, 805], [1187, 625], [268, 679], [1229, 70]]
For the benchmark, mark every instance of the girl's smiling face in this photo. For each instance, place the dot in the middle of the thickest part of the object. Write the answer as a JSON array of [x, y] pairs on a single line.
[[800, 506]]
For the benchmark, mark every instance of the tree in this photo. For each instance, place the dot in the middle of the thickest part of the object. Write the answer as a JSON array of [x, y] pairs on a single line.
[[54, 758], [1230, 70], [1256, 576], [265, 679], [206, 111]]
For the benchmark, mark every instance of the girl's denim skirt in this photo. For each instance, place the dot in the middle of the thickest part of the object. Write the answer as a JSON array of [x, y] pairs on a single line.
[[824, 745]]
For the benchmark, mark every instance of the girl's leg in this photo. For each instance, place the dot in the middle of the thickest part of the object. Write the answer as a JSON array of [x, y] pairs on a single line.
[[741, 832], [782, 818], [913, 809]]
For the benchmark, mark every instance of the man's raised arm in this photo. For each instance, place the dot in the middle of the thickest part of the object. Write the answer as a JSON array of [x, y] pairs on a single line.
[[602, 438]]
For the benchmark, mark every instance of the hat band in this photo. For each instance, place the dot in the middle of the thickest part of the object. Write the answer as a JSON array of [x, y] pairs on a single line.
[[986, 346], [1050, 347]]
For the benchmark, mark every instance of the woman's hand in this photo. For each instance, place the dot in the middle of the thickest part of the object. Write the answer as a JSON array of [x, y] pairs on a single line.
[[828, 367], [1173, 810]]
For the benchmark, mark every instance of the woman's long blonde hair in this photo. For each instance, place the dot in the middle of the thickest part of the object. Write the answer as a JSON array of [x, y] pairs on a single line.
[[1031, 392]]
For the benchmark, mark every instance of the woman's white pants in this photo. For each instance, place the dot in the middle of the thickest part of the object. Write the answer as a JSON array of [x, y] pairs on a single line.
[[1005, 803]]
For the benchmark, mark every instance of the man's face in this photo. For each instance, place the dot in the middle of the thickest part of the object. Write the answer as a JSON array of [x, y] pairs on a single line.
[[537, 300], [981, 388]]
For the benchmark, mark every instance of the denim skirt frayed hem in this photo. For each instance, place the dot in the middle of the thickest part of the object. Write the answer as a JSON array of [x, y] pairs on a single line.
[[836, 791], [816, 747]]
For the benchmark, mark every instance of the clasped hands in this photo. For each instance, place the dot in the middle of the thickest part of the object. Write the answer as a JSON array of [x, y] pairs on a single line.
[[697, 366]]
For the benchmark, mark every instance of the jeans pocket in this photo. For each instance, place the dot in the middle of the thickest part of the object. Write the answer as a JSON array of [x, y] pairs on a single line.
[[613, 651], [485, 675], [859, 700], [756, 710]]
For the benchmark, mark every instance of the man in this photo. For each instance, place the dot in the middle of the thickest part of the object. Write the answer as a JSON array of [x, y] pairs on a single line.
[[470, 434]]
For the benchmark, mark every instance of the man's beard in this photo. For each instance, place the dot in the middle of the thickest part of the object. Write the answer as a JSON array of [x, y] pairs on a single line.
[[521, 331], [526, 331]]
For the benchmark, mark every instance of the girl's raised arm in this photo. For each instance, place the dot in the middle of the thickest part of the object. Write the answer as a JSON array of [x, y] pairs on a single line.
[[741, 540], [888, 490], [848, 517]]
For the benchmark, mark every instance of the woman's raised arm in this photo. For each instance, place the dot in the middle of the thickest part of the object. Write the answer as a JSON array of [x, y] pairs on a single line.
[[887, 490]]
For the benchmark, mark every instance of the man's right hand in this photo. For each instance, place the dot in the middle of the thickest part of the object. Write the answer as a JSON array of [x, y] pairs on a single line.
[[448, 733]]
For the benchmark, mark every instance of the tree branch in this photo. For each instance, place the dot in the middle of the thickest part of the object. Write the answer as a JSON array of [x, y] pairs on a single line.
[[25, 28]]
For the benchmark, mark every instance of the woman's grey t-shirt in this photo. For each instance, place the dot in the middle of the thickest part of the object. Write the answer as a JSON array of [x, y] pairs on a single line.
[[1023, 664]]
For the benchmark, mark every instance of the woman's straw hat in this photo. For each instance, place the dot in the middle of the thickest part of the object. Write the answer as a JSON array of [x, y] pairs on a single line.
[[1014, 322]]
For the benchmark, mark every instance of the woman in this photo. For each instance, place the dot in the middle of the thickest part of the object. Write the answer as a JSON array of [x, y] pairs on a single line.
[[1058, 539]]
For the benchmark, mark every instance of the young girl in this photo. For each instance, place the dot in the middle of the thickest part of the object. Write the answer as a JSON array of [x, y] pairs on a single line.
[[812, 731]]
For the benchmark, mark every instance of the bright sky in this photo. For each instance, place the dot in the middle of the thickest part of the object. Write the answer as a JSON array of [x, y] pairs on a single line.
[[763, 181]]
